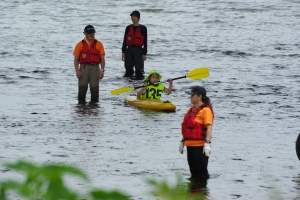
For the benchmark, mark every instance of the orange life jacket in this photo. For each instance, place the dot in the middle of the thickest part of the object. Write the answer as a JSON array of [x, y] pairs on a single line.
[[190, 129], [89, 55], [134, 38]]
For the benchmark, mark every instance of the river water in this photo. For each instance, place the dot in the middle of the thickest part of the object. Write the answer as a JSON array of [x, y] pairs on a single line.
[[250, 47]]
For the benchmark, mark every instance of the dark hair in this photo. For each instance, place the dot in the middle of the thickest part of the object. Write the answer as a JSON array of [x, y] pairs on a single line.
[[206, 102], [136, 13]]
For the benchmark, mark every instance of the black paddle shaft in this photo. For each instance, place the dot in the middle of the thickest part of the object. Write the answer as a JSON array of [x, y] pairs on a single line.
[[137, 87], [179, 78]]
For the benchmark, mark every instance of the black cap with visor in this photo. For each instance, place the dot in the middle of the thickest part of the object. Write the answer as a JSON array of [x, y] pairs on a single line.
[[197, 90], [89, 29]]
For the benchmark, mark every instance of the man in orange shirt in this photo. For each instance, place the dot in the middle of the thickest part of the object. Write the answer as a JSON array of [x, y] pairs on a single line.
[[89, 53]]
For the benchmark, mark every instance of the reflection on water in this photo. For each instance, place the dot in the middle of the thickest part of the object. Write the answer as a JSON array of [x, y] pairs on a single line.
[[90, 108], [296, 179], [198, 187], [151, 113]]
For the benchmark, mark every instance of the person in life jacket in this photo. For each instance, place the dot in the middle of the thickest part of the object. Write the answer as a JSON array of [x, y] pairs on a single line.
[[152, 88], [134, 47], [197, 133], [89, 64]]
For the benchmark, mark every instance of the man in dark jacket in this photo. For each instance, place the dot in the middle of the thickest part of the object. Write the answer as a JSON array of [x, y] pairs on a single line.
[[134, 48]]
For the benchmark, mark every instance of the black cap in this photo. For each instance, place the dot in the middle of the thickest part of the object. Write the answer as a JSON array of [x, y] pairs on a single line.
[[197, 90], [89, 29], [136, 13]]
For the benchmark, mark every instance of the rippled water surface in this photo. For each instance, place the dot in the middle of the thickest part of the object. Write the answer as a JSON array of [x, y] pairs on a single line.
[[251, 48]]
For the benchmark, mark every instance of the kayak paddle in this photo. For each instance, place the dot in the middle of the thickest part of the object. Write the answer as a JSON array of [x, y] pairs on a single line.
[[195, 74]]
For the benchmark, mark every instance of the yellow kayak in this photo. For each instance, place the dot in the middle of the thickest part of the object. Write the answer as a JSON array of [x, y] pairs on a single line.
[[150, 104]]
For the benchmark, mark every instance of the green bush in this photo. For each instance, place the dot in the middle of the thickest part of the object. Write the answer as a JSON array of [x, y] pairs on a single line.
[[178, 192], [46, 183]]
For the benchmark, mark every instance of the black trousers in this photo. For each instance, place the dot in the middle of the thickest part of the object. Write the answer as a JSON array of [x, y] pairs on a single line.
[[134, 58], [198, 163]]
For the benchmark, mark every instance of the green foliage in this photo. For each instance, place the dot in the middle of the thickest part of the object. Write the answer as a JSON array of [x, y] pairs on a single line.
[[41, 181], [167, 192], [46, 183], [103, 195]]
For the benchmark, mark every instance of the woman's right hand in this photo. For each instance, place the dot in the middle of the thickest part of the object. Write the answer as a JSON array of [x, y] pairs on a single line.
[[123, 56]]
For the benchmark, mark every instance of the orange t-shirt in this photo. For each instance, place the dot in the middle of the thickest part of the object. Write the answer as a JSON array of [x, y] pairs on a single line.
[[204, 117], [79, 47]]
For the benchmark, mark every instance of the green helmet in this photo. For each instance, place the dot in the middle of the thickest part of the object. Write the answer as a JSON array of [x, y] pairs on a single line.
[[152, 72]]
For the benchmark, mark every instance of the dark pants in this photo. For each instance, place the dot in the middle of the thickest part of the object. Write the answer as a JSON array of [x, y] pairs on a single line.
[[198, 162], [134, 57], [90, 75]]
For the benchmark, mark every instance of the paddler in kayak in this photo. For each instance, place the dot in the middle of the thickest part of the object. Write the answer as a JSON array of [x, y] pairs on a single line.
[[152, 88], [197, 132]]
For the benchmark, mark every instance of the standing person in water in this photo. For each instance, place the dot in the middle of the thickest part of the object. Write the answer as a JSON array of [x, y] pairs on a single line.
[[152, 89], [134, 48], [89, 53], [197, 133]]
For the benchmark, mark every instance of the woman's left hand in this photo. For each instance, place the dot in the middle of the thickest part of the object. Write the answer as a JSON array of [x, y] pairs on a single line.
[[207, 149]]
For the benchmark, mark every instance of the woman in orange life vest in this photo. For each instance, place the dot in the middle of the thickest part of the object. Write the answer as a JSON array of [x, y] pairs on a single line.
[[152, 89], [197, 133], [89, 53]]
